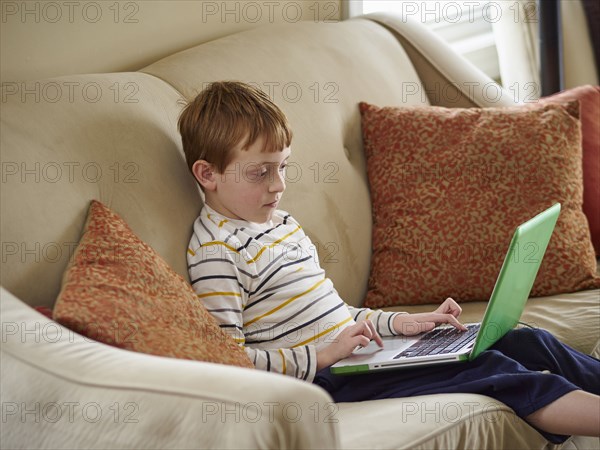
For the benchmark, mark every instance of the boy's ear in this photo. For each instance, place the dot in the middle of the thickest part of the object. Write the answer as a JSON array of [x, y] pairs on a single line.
[[205, 173]]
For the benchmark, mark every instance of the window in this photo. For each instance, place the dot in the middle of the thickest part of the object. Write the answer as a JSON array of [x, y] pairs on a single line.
[[465, 24]]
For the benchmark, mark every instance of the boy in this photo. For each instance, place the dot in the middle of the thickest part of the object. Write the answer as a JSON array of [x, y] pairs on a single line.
[[256, 271]]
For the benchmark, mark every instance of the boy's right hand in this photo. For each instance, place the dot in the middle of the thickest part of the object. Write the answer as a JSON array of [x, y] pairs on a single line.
[[359, 334]]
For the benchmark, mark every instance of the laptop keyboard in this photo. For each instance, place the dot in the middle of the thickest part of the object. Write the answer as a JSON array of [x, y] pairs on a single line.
[[440, 341]]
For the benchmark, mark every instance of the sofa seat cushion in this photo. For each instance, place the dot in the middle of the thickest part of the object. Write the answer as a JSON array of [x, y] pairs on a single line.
[[444, 421], [574, 318]]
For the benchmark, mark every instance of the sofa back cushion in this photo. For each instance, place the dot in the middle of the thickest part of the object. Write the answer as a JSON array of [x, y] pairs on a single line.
[[113, 137], [68, 140]]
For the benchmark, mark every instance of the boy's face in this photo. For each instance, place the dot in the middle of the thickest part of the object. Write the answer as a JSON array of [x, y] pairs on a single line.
[[251, 186]]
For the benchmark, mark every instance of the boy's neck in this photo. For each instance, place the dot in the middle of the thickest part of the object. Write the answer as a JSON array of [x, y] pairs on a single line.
[[249, 223]]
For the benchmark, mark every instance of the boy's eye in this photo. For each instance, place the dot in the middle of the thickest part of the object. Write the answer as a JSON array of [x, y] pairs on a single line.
[[259, 174]]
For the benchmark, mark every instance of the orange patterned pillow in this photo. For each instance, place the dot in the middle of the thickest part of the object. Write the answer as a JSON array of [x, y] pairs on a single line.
[[589, 101], [448, 188], [117, 290]]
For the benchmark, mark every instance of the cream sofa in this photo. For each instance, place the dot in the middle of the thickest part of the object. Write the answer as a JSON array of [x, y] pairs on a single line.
[[113, 137]]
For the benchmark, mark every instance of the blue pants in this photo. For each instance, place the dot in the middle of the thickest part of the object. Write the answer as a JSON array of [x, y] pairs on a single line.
[[510, 371]]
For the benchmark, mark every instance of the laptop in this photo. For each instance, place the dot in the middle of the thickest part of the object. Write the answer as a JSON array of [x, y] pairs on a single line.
[[445, 344]]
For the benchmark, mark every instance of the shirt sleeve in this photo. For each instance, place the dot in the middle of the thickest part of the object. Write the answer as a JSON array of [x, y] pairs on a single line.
[[383, 320], [223, 281]]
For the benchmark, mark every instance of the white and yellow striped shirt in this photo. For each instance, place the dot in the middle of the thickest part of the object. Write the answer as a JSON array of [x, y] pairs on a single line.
[[264, 285]]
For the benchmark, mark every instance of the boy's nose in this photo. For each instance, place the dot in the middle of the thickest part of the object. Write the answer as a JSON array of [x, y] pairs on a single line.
[[278, 183]]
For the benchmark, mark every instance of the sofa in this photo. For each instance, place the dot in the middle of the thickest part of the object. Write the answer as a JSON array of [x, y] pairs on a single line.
[[113, 137]]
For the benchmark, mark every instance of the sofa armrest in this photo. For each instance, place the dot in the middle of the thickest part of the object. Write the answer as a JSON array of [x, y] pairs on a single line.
[[448, 78], [62, 390]]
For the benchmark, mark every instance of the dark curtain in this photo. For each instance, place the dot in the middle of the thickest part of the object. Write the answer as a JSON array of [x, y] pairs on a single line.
[[592, 14]]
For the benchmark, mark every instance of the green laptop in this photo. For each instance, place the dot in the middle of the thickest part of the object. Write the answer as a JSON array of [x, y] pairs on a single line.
[[445, 344]]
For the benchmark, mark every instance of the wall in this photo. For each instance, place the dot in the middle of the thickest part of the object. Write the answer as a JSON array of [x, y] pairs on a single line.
[[40, 39]]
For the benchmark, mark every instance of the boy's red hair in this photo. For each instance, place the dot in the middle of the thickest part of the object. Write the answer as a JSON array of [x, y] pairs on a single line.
[[225, 114]]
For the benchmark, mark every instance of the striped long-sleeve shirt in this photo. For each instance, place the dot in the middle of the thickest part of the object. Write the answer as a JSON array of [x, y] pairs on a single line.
[[264, 285]]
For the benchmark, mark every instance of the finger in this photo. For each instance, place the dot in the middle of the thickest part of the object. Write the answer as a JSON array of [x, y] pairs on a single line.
[[445, 307], [375, 335], [448, 306], [360, 329], [368, 330], [440, 309], [360, 341], [450, 319], [454, 308]]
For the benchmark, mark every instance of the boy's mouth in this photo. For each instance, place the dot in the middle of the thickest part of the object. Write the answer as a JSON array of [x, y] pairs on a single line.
[[272, 204]]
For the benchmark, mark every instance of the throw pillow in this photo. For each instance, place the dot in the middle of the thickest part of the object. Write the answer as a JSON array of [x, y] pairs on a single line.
[[448, 188], [589, 101], [44, 310], [119, 291]]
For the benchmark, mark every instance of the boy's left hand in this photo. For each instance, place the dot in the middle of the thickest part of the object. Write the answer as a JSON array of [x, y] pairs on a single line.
[[411, 324], [449, 307]]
